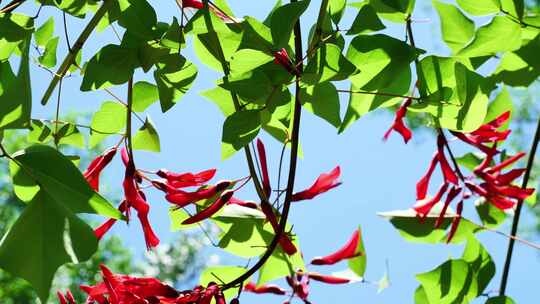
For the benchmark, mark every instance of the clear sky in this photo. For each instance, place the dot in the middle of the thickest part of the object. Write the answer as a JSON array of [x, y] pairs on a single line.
[[376, 176]]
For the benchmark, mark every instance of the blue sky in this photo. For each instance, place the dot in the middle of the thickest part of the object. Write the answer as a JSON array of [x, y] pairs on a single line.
[[376, 176]]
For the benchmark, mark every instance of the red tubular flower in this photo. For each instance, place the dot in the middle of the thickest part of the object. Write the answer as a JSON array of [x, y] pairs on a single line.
[[96, 166], [424, 209], [398, 125], [471, 140], [107, 225], [455, 222], [134, 199], [220, 298], [284, 241], [181, 180], [268, 288], [61, 297], [210, 210], [348, 251], [449, 174], [509, 191], [247, 204], [264, 168], [324, 182], [184, 198], [500, 120], [282, 58], [327, 278], [449, 198], [197, 4], [192, 3], [507, 162], [509, 177], [423, 183], [69, 297]]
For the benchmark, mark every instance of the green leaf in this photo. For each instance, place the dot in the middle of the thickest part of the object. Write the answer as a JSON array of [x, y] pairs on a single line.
[[48, 59], [501, 104], [501, 34], [480, 7], [109, 119], [221, 98], [45, 32], [174, 76], [39, 132], [328, 64], [500, 300], [147, 137], [514, 8], [177, 216], [15, 93], [454, 95], [470, 160], [246, 60], [322, 100], [77, 8], [256, 35], [420, 296], [138, 17], [451, 282], [393, 10], [480, 263], [283, 20], [280, 265], [336, 8], [359, 263], [490, 215], [413, 230], [366, 20], [69, 134], [384, 64], [218, 274], [46, 235], [173, 37], [457, 30], [24, 186], [62, 181], [144, 95], [521, 67], [239, 129], [254, 86], [112, 65]]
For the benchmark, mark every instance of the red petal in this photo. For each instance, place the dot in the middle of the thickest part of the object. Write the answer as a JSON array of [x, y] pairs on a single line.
[[324, 182], [507, 162], [247, 204], [455, 222], [423, 183], [96, 166], [500, 120], [449, 198], [264, 168], [500, 202], [180, 180], [61, 297], [423, 210], [398, 125], [210, 210], [328, 279], [507, 178], [192, 3], [284, 241], [268, 288], [348, 251], [448, 173]]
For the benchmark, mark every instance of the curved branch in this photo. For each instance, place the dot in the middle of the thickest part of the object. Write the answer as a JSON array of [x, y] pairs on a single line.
[[70, 58]]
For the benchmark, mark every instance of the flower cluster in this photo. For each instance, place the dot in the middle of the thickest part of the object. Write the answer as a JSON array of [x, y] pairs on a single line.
[[487, 179]]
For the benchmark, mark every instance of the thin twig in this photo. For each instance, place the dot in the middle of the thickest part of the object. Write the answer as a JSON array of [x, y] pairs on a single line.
[[11, 6], [66, 31], [379, 94], [515, 223]]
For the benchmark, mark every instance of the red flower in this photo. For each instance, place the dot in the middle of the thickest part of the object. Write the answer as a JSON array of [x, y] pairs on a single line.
[[424, 209], [107, 225], [423, 183], [181, 180], [327, 279], [247, 204], [449, 174], [282, 58], [449, 198], [398, 125], [184, 198], [212, 209], [123, 289], [96, 166], [264, 168], [197, 4], [348, 251], [67, 299], [507, 162], [268, 288], [324, 182], [455, 222]]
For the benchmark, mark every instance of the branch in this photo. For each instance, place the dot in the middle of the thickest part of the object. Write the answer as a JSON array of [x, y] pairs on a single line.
[[70, 58], [11, 6], [515, 223], [292, 163], [128, 120]]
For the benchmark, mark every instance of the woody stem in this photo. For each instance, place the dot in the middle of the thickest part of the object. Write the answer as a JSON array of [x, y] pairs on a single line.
[[515, 223]]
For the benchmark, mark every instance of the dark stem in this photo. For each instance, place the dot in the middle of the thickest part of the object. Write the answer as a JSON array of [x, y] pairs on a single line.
[[515, 223], [11, 6], [292, 165], [128, 121]]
